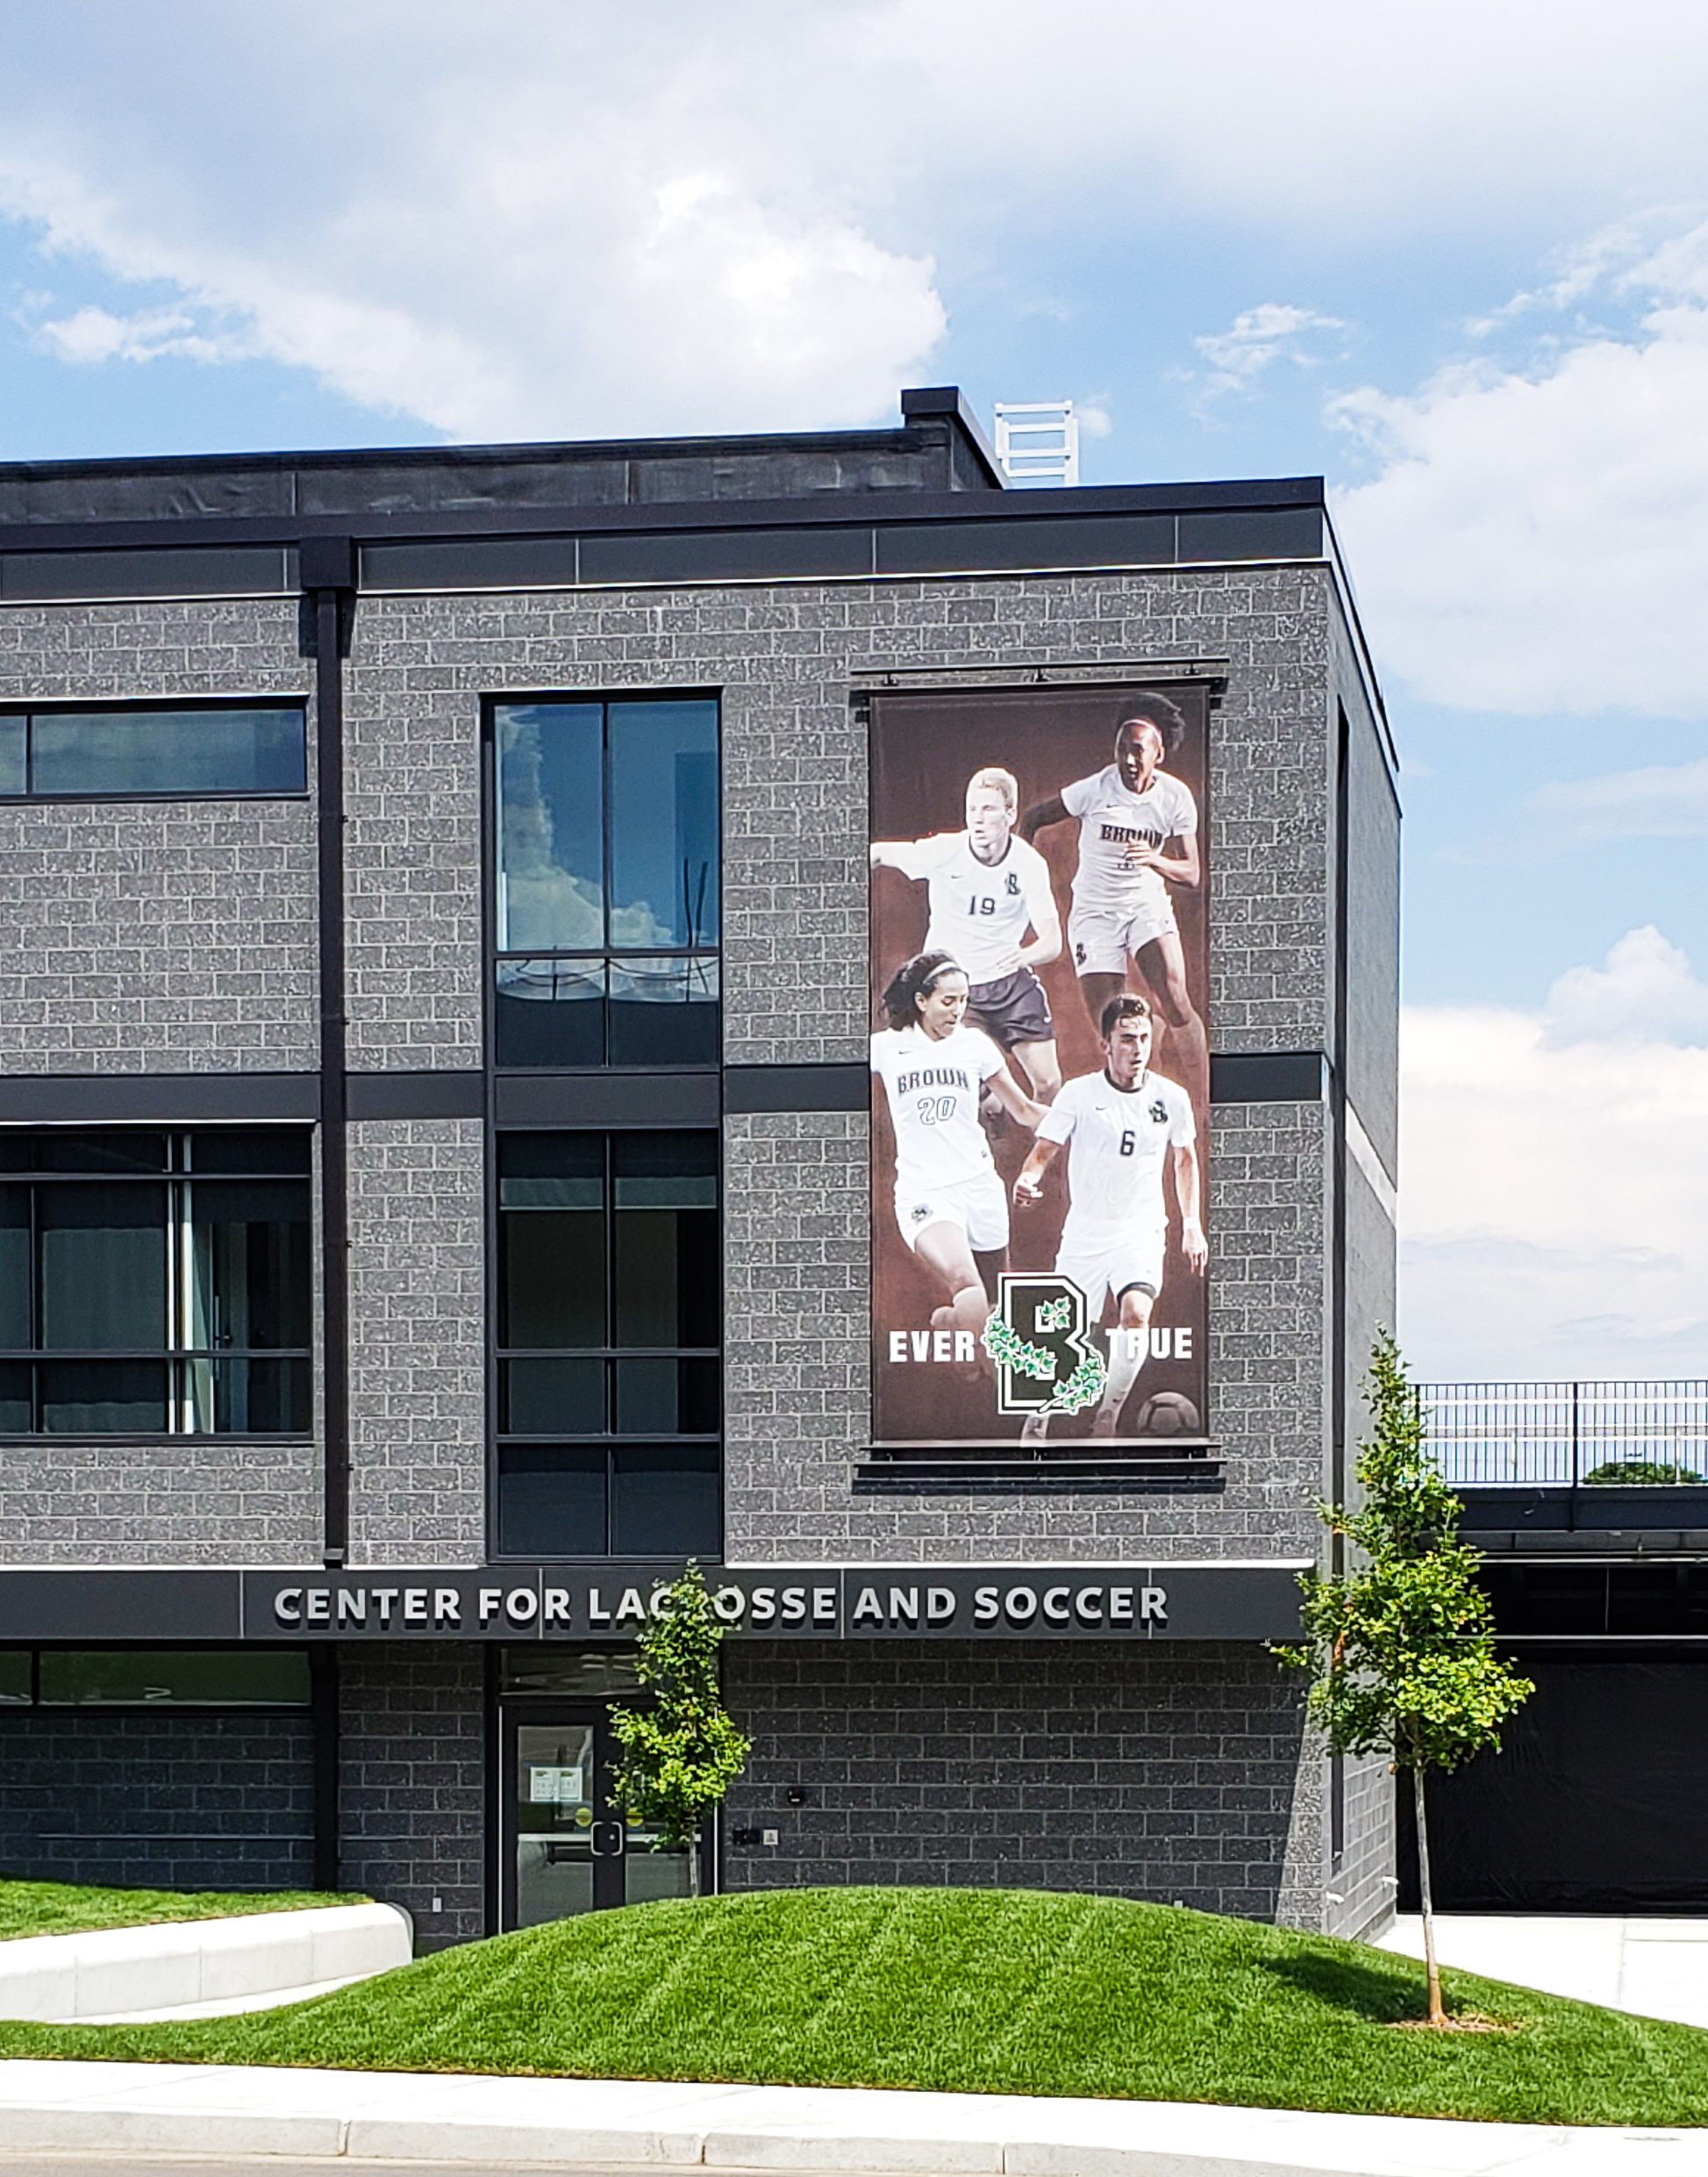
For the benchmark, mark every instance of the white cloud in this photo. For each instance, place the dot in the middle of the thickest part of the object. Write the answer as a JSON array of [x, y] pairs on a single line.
[[580, 228], [1653, 801], [1646, 993], [93, 335], [605, 219], [1538, 540], [1257, 337], [1553, 1198]]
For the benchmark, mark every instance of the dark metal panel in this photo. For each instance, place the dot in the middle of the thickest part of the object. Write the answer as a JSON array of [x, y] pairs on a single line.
[[48, 1099], [473, 563], [209, 570], [332, 556], [1067, 540], [105, 1606], [1252, 533], [1270, 1076], [727, 555], [854, 507], [447, 1095], [1230, 1601], [607, 1099], [797, 1088]]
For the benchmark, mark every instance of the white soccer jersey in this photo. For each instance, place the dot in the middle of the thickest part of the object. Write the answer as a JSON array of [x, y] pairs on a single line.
[[980, 911], [933, 1092], [1111, 823], [1118, 1142]]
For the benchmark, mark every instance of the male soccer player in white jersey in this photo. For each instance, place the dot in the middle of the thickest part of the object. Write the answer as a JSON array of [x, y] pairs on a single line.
[[1120, 1126], [951, 1206], [985, 889], [1138, 838]]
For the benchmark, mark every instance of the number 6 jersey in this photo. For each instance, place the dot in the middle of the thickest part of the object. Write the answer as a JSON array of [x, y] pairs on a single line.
[[933, 1091], [1118, 1140]]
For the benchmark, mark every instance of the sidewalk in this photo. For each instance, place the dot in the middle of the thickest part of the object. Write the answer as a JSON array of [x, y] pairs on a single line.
[[1658, 1968], [180, 2109]]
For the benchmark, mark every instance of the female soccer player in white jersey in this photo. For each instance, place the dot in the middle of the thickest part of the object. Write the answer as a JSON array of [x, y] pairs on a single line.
[[1120, 1126], [985, 889], [950, 1203], [1130, 815]]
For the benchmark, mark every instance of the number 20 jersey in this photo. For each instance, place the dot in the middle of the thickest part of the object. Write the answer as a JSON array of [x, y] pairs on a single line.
[[933, 1091], [1118, 1142]]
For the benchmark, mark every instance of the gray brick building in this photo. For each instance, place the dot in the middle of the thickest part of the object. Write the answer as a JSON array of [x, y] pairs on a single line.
[[438, 1190]]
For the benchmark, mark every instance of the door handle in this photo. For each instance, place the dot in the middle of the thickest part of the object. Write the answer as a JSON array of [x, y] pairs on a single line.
[[607, 1840]]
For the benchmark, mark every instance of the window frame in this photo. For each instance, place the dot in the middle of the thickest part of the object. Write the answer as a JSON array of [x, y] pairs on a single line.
[[175, 1180], [611, 1441], [155, 706], [36, 1649], [696, 958]]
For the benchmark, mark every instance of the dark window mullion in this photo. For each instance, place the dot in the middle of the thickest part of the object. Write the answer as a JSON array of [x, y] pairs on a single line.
[[604, 820]]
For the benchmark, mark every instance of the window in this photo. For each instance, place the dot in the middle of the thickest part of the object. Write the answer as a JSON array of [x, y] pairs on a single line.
[[155, 1282], [609, 1375], [607, 871], [195, 1678], [186, 749]]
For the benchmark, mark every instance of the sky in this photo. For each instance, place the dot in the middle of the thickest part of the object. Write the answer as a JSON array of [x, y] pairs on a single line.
[[1454, 257]]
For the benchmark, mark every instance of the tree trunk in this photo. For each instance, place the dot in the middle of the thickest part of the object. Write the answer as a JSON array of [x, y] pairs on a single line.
[[1437, 2015], [694, 1865]]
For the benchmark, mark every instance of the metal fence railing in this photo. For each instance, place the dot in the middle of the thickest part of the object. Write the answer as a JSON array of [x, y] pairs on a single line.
[[1648, 1432]]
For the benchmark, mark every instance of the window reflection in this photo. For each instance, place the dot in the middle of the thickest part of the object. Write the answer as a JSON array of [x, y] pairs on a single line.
[[607, 869]]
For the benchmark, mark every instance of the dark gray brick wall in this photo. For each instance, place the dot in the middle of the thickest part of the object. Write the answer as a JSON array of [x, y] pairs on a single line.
[[797, 1212], [413, 847], [171, 1801], [412, 1785], [794, 790], [1363, 1880], [1169, 1772], [194, 1501], [417, 1362], [172, 937]]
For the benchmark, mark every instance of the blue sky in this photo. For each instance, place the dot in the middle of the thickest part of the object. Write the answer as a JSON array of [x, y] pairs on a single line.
[[1452, 257]]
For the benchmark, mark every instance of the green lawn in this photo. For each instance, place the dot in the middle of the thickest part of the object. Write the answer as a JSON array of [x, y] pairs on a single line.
[[1018, 1992], [70, 1909]]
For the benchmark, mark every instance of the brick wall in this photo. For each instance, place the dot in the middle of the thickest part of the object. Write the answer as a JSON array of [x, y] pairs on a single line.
[[169, 937], [412, 1784], [196, 1500], [1169, 1773], [180, 1799], [418, 1358]]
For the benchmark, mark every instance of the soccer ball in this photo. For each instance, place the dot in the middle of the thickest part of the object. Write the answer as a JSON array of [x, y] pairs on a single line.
[[1169, 1413]]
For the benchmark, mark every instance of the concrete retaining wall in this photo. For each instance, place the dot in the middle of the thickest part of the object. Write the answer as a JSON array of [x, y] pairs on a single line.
[[178, 1963]]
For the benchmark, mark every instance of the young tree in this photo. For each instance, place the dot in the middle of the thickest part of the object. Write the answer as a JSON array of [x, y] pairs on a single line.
[[1399, 1648], [681, 1754]]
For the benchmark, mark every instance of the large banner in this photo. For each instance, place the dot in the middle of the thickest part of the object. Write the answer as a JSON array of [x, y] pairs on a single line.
[[1039, 1072]]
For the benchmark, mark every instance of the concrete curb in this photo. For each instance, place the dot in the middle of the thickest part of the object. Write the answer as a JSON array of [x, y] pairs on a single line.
[[220, 2109], [172, 1965]]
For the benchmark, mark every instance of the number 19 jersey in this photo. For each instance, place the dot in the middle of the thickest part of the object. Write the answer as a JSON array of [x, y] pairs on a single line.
[[980, 911], [933, 1091], [1118, 1142]]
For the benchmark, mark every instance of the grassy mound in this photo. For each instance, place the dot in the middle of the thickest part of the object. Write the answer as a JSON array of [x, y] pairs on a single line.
[[1014, 1992], [74, 1908]]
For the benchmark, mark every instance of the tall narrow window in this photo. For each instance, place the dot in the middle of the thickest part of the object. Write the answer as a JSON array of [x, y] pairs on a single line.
[[608, 1372], [607, 869], [154, 1284]]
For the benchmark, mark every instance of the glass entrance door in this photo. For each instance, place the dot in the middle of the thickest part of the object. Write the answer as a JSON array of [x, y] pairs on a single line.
[[565, 1848]]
